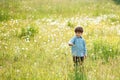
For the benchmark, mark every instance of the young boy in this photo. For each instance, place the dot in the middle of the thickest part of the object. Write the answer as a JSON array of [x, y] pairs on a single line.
[[78, 46]]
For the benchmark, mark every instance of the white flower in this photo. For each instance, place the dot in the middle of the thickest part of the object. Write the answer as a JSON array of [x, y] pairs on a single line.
[[17, 70]]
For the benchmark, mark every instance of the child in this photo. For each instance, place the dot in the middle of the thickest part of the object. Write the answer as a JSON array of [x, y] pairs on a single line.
[[78, 46]]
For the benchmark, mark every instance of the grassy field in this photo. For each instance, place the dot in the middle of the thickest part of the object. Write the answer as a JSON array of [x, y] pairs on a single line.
[[34, 37]]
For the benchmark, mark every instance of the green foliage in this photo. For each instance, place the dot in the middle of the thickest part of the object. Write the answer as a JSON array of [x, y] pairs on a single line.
[[117, 1], [4, 16], [71, 24], [28, 32], [9, 9], [18, 9], [105, 50]]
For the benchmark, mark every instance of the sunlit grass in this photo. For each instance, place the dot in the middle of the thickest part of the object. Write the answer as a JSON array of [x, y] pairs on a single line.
[[35, 9], [46, 55], [34, 46]]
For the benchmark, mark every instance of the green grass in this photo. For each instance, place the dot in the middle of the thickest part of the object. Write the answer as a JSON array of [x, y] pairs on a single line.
[[35, 9], [34, 37]]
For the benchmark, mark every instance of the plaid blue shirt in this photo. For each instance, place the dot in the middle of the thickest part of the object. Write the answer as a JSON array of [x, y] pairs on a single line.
[[79, 46]]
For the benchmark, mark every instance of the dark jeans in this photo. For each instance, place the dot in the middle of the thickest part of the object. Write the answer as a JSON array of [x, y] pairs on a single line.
[[78, 60]]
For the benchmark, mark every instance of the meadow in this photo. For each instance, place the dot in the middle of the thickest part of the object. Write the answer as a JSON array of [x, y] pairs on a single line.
[[34, 37]]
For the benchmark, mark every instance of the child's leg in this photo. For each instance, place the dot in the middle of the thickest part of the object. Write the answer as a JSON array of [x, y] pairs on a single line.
[[81, 60], [75, 60]]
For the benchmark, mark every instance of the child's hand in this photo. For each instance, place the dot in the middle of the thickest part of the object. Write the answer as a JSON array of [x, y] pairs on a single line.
[[71, 44], [85, 56]]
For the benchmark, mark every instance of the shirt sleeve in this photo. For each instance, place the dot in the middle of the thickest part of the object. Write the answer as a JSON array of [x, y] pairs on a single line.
[[85, 49], [72, 40]]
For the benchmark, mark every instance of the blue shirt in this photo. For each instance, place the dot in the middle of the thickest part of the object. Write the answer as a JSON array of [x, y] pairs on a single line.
[[79, 46]]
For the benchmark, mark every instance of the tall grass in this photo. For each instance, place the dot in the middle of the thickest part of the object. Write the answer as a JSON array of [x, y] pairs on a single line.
[[105, 49], [34, 40], [29, 9]]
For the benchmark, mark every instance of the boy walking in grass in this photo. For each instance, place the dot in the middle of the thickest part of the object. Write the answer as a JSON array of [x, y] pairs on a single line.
[[78, 46]]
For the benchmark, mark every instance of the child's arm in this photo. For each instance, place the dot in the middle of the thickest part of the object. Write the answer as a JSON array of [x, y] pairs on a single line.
[[71, 42], [85, 49]]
